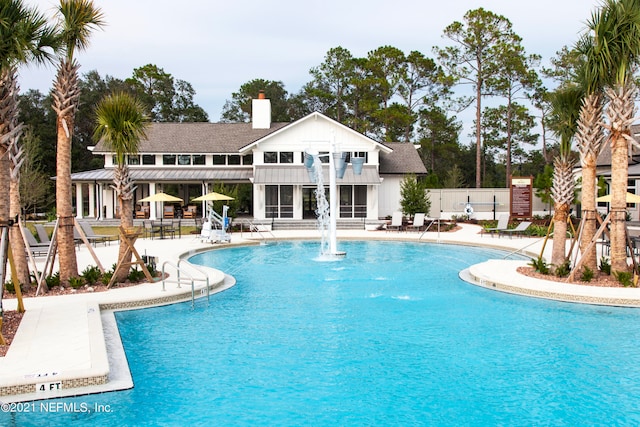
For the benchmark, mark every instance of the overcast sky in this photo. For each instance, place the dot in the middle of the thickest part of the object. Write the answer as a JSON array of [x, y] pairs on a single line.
[[219, 45]]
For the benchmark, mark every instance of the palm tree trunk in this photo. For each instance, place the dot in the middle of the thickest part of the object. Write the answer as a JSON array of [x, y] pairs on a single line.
[[589, 139], [621, 110], [124, 189], [65, 94], [10, 131], [15, 237], [589, 227], [558, 251]]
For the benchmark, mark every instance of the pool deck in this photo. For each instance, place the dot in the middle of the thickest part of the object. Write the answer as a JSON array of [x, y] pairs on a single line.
[[70, 345]]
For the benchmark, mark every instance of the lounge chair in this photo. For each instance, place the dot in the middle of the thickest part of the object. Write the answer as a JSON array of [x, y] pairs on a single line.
[[37, 248], [503, 224], [42, 234], [519, 230], [396, 222], [168, 212], [418, 222], [92, 236]]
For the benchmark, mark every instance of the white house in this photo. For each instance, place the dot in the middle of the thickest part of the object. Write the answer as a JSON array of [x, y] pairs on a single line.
[[186, 159]]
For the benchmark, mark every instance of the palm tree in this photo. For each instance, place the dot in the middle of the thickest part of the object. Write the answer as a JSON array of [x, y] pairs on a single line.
[[25, 38], [121, 124], [78, 19], [616, 38], [565, 108]]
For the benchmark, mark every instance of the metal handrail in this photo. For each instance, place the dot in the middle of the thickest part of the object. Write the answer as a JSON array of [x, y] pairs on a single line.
[[178, 280], [204, 274], [522, 248], [254, 228]]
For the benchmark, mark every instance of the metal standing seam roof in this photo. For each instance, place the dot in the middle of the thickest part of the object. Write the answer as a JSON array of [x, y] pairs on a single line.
[[299, 175], [170, 174]]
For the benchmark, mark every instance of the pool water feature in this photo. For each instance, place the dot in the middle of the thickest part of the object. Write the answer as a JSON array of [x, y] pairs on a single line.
[[387, 336]]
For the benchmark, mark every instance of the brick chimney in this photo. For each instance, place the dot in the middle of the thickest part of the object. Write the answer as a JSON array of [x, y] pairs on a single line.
[[261, 112]]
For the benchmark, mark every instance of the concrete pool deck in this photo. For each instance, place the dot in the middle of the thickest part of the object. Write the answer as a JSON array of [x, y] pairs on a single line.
[[70, 345]]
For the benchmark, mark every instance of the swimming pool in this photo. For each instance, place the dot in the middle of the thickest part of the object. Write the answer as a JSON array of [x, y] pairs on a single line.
[[387, 336]]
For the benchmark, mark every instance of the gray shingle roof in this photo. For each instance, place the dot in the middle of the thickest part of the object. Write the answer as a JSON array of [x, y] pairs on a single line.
[[198, 137], [404, 159]]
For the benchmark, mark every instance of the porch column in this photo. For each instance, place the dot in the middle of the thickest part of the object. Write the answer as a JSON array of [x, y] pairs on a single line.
[[92, 200], [100, 198], [152, 205], [79, 206]]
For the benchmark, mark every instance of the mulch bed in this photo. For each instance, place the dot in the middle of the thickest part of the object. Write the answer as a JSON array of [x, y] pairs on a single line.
[[599, 279]]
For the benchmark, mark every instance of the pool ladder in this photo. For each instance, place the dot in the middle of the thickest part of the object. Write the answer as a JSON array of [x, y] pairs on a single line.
[[185, 277]]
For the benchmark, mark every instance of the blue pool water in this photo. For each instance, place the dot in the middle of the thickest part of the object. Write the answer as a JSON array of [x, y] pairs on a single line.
[[387, 336]]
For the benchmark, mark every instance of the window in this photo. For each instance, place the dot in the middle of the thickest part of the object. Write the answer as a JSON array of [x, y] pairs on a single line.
[[219, 159], [286, 157], [233, 159], [133, 160], [184, 159], [198, 159], [148, 159], [357, 154], [353, 201], [247, 160], [279, 201], [270, 157], [168, 159], [324, 156]]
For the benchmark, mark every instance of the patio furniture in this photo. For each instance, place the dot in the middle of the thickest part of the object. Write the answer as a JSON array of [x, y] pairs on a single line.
[[503, 223], [418, 222], [396, 222], [37, 248], [92, 236], [143, 212], [519, 230], [168, 212], [190, 212], [150, 230], [42, 234]]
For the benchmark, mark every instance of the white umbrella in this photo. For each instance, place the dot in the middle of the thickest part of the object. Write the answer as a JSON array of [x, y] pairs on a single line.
[[213, 196], [161, 197], [631, 198]]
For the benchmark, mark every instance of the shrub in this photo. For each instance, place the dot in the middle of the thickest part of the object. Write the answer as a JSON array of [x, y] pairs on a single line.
[[106, 277], [91, 274], [135, 275], [76, 282], [53, 280], [8, 286], [605, 266], [624, 277], [563, 269], [587, 274], [539, 265]]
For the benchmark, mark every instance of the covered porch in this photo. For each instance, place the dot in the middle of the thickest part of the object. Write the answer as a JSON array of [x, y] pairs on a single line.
[[96, 199]]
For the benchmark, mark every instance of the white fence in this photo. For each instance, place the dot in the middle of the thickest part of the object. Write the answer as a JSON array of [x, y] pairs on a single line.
[[486, 203]]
